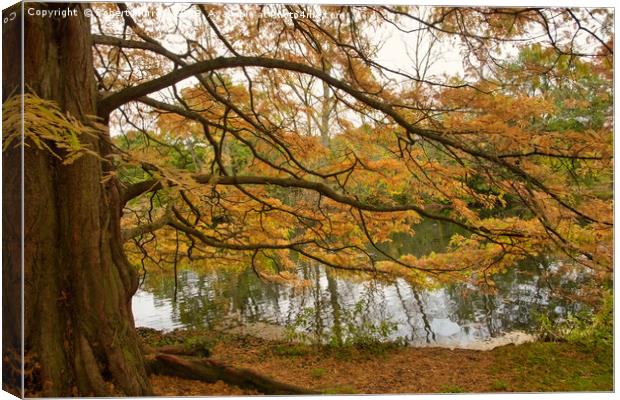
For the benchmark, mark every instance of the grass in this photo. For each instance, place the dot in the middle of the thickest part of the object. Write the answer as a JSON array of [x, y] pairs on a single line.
[[452, 389], [343, 389], [559, 367], [499, 385], [317, 373], [531, 367], [291, 350]]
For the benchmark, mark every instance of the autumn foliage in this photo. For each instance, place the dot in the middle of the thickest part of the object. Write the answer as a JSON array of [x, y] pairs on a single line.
[[294, 139]]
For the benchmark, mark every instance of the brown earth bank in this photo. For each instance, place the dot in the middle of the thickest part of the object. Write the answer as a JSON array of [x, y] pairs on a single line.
[[530, 367]]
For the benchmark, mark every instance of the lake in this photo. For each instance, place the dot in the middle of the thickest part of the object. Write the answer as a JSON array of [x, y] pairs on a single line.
[[458, 315]]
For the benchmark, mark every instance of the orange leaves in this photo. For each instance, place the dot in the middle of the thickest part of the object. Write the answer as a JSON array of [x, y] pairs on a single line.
[[517, 157], [493, 113], [382, 228], [460, 208]]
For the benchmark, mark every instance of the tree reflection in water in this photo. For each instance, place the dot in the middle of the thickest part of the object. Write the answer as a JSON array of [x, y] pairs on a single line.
[[455, 314]]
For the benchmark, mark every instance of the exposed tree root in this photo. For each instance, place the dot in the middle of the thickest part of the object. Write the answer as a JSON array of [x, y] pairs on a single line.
[[212, 371], [181, 350]]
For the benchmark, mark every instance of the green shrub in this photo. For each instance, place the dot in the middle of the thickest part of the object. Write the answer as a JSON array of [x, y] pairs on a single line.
[[592, 330]]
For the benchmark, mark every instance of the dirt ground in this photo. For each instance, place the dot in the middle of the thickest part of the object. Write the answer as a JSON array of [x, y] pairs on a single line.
[[525, 368], [171, 386]]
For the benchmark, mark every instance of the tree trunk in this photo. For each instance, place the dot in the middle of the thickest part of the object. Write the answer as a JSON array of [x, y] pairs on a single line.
[[78, 325]]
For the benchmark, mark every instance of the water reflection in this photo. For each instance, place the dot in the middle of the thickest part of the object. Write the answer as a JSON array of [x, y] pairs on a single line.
[[454, 315]]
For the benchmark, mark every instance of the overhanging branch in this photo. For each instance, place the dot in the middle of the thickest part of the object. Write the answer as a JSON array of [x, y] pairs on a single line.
[[109, 103], [321, 188]]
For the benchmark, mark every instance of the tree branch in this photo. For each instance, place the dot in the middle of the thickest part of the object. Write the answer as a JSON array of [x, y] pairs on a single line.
[[134, 44], [135, 190], [140, 230], [109, 103]]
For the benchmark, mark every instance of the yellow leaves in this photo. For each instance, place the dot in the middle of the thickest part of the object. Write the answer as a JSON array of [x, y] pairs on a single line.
[[46, 127]]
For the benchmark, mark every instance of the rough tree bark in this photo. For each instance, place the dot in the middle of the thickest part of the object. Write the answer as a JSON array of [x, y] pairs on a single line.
[[78, 324]]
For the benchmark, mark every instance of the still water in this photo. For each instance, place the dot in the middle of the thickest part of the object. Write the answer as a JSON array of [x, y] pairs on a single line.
[[457, 315]]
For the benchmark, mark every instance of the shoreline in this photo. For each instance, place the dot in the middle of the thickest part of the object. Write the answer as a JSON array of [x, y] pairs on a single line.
[[276, 333]]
